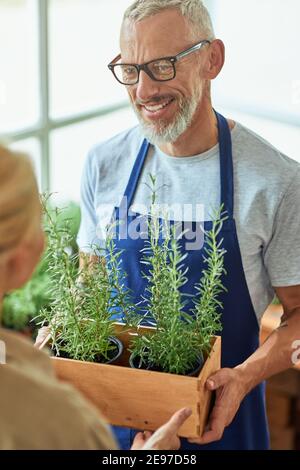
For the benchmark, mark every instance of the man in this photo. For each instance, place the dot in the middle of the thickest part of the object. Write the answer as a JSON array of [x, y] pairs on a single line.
[[169, 55]]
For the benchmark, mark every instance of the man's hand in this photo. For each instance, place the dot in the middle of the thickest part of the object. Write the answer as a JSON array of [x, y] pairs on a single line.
[[230, 391], [165, 438]]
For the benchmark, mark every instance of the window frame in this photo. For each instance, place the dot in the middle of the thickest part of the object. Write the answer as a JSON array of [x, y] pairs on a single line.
[[43, 128]]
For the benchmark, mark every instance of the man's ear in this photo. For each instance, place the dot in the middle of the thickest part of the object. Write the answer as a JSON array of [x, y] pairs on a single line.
[[215, 60]]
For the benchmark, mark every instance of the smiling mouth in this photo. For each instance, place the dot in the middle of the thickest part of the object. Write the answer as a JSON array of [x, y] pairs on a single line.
[[157, 107]]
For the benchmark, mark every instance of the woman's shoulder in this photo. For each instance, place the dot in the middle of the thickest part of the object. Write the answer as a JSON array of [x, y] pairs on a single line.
[[38, 411]]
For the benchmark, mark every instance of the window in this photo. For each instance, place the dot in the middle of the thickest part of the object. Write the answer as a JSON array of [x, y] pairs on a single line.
[[69, 146], [260, 82], [83, 39], [19, 78], [57, 95]]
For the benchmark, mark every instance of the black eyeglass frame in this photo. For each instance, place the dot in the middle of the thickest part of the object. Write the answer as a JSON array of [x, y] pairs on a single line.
[[145, 68]]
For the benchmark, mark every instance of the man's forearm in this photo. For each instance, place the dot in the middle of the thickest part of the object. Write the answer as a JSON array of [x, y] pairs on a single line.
[[279, 352]]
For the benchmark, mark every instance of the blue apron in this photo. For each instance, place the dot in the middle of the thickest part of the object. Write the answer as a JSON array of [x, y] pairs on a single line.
[[240, 335]]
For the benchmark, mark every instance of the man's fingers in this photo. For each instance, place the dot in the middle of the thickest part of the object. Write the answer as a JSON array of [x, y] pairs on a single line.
[[218, 379], [213, 431], [207, 438]]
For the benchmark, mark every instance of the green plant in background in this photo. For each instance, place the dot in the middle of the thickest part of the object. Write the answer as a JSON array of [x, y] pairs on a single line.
[[21, 306], [180, 338], [81, 317]]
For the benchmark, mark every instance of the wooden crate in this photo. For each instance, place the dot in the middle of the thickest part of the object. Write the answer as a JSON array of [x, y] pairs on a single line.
[[279, 409], [282, 439], [142, 399]]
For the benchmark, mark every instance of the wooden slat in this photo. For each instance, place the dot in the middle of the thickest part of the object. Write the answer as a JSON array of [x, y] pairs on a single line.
[[283, 439], [286, 383], [211, 365], [279, 409], [132, 398], [270, 321]]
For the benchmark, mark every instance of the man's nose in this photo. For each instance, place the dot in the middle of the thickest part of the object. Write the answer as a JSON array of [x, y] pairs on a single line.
[[146, 87]]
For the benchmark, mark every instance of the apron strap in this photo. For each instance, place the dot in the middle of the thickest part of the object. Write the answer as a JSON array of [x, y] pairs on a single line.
[[226, 165], [136, 173]]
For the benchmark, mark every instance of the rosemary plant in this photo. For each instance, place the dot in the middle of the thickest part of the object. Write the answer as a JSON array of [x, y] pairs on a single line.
[[81, 317], [181, 337], [208, 305]]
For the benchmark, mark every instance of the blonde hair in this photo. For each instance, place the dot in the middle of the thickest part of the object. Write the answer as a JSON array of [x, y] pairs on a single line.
[[19, 198], [193, 10]]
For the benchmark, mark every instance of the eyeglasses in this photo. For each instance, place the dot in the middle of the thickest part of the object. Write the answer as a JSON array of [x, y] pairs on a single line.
[[160, 70]]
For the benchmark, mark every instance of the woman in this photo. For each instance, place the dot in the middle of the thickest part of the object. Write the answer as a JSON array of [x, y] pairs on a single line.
[[37, 411]]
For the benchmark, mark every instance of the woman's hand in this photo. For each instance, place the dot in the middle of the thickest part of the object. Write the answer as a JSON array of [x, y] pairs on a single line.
[[166, 437], [43, 334]]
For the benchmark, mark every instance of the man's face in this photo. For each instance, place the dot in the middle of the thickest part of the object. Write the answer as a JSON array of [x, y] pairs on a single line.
[[165, 109]]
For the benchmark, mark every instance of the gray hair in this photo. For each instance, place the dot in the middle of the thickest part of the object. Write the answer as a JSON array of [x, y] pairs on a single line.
[[193, 10]]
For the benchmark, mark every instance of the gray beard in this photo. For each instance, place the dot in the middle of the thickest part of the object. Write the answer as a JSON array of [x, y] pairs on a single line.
[[160, 133]]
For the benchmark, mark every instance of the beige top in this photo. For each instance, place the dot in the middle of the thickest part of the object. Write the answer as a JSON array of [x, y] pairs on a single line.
[[37, 411]]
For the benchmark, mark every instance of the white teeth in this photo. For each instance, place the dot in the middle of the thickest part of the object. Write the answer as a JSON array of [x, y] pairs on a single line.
[[156, 108]]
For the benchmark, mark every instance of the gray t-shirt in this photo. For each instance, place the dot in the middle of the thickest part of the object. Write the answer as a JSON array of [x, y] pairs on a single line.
[[266, 200]]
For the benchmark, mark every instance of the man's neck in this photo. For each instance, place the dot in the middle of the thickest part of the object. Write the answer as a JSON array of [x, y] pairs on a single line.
[[200, 137]]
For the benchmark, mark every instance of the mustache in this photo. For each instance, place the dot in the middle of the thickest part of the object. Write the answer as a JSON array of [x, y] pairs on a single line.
[[154, 99]]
